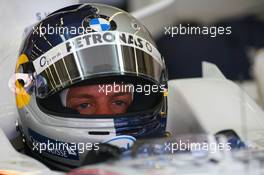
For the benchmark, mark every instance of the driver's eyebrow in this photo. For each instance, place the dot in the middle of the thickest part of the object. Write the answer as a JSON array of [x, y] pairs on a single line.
[[82, 96], [121, 93]]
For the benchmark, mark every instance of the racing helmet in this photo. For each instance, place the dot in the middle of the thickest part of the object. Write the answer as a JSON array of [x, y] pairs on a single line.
[[81, 45]]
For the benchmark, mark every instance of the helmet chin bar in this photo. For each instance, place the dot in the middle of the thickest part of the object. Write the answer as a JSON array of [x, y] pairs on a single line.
[[106, 152]]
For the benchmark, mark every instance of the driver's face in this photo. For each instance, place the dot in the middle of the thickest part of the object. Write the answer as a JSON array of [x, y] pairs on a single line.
[[90, 101]]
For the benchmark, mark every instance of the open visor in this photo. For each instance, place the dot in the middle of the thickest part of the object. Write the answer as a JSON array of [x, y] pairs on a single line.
[[107, 53]]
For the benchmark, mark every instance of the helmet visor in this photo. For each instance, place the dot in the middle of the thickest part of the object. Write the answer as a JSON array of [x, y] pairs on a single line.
[[94, 55]]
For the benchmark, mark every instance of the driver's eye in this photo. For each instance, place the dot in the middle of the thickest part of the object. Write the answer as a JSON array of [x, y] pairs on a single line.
[[84, 105], [119, 103]]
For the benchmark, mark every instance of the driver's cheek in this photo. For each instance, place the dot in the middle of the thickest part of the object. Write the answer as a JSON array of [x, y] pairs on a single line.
[[118, 109], [104, 110], [88, 111]]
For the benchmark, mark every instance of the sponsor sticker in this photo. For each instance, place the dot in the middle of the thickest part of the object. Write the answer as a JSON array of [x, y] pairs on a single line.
[[99, 24], [53, 147], [92, 40], [124, 142]]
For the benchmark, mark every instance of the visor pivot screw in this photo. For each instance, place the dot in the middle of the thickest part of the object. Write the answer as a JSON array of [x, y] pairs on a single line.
[[135, 26]]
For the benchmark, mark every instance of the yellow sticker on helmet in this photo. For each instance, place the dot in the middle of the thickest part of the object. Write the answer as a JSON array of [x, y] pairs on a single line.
[[22, 97], [21, 60]]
